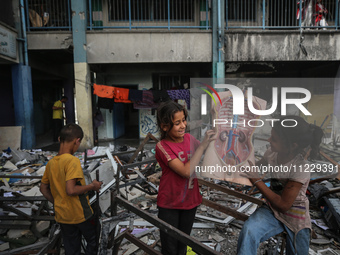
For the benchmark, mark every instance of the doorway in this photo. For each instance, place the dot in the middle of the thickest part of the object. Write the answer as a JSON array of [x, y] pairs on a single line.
[[126, 118]]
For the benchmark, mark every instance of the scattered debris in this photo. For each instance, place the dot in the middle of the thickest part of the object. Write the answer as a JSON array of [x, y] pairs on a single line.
[[26, 217]]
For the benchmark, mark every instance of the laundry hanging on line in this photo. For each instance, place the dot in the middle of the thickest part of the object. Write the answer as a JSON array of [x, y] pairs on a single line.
[[141, 99]]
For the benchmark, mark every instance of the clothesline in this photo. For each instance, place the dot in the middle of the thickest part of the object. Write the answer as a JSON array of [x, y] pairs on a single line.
[[141, 99]]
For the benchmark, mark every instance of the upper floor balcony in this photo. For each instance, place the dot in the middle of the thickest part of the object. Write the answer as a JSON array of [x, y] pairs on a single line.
[[185, 14]]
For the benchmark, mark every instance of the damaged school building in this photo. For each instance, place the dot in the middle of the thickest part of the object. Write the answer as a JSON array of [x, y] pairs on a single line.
[[51, 48]]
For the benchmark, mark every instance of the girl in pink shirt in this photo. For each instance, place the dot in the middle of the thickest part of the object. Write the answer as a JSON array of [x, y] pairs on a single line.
[[177, 153]]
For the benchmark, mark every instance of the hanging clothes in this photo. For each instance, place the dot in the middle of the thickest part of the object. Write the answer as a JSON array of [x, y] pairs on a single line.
[[103, 90], [105, 103], [183, 94], [160, 96], [121, 95], [147, 101], [135, 95]]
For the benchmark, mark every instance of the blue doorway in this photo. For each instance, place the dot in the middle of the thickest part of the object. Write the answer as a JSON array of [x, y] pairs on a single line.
[[125, 118]]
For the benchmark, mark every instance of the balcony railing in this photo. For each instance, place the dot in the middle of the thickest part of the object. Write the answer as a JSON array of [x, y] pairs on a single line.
[[278, 14], [186, 14], [48, 14], [133, 14]]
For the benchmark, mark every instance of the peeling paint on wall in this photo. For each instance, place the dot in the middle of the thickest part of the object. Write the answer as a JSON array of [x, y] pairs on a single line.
[[82, 15]]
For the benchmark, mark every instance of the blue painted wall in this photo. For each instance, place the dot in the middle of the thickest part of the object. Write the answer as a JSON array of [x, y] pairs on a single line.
[[79, 23], [23, 104]]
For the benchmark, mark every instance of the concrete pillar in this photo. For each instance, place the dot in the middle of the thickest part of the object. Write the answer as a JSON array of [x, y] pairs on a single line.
[[218, 51], [23, 104], [22, 84], [82, 72], [84, 103], [69, 107]]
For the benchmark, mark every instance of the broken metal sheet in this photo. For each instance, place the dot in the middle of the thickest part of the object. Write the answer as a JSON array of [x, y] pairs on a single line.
[[104, 201], [113, 162], [35, 191], [27, 211], [30, 247], [130, 194], [208, 218], [103, 190], [20, 156], [143, 177], [142, 232], [224, 209], [10, 165], [227, 220], [106, 173], [142, 223], [131, 248], [327, 251], [241, 209], [93, 165], [4, 246]]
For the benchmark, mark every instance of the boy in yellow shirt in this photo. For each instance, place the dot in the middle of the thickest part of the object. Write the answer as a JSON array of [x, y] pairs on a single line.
[[63, 184]]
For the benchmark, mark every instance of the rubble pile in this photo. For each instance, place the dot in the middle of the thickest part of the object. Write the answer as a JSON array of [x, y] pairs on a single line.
[[27, 218]]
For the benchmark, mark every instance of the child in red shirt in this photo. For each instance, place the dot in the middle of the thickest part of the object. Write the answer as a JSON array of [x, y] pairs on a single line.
[[177, 153], [320, 12]]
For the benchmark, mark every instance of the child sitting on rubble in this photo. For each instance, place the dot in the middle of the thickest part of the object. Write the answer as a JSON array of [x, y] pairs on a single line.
[[63, 184], [177, 153], [286, 207]]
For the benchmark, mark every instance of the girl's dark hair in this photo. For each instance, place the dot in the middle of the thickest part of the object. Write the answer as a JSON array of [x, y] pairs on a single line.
[[303, 134], [165, 115], [70, 132]]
